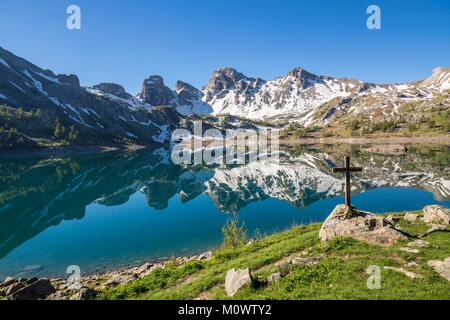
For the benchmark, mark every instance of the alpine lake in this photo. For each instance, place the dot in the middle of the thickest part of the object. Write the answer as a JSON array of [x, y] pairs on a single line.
[[112, 209]]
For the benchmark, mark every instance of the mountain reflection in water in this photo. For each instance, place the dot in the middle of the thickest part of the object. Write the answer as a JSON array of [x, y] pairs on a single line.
[[36, 194]]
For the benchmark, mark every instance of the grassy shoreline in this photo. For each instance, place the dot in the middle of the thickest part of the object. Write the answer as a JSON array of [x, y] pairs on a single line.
[[340, 273]]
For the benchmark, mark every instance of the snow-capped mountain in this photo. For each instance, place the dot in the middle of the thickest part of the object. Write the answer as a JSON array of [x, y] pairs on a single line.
[[299, 96], [310, 98], [106, 113]]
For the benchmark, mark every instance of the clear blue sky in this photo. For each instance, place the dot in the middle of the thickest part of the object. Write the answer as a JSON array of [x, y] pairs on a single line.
[[126, 41]]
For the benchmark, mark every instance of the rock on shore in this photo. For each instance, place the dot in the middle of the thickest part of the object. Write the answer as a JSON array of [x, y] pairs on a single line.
[[436, 214], [359, 225], [26, 289], [59, 289], [236, 279]]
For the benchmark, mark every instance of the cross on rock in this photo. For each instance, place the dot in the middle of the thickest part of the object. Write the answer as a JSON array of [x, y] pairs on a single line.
[[347, 170]]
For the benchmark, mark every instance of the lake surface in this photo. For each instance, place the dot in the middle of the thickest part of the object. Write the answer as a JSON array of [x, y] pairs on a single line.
[[120, 208]]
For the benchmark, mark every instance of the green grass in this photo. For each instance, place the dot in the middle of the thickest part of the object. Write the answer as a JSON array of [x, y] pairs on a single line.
[[341, 273]]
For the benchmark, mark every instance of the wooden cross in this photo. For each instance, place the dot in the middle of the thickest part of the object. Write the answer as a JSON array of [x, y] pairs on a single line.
[[347, 170]]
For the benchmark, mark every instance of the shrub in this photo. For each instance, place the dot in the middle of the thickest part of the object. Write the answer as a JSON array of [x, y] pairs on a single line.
[[233, 234], [354, 125], [412, 127], [20, 112], [59, 130], [73, 133], [385, 126]]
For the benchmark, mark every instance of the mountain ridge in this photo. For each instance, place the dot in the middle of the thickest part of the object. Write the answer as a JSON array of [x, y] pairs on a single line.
[[107, 112]]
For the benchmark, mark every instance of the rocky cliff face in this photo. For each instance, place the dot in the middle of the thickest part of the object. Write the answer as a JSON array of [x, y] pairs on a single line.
[[104, 114], [114, 89], [187, 94], [155, 93]]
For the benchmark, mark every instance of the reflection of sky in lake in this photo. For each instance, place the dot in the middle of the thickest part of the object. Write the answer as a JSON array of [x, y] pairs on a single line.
[[134, 232], [174, 214]]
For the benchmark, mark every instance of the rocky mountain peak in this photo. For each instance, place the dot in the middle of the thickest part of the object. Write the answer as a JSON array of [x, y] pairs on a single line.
[[155, 79], [224, 79], [184, 86], [439, 80], [114, 89], [302, 74], [69, 79], [155, 93], [187, 93]]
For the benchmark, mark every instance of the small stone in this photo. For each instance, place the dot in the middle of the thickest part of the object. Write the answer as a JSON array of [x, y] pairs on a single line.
[[182, 260], [411, 217], [304, 261], [409, 274], [410, 250], [144, 268], [418, 244], [87, 294], [58, 296], [441, 267], [236, 279], [274, 277], [393, 219], [119, 279], [412, 264], [8, 281], [205, 256]]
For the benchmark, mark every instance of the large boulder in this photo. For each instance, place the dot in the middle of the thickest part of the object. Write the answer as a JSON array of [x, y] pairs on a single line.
[[236, 279], [33, 289], [359, 225], [436, 214], [12, 288], [411, 217], [441, 267]]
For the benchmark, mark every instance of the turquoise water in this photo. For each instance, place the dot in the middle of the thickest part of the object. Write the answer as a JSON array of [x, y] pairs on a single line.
[[110, 210]]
